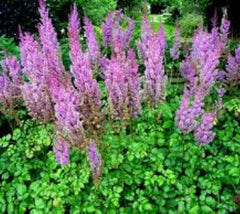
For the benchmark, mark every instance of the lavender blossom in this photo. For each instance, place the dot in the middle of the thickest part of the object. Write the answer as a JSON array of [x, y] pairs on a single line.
[[62, 151], [177, 44], [95, 160], [203, 133]]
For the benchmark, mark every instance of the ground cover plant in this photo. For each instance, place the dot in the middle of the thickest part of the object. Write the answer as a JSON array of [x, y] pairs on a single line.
[[114, 133]]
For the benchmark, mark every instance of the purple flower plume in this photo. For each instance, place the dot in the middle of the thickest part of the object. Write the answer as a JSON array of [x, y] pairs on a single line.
[[200, 71], [232, 75], [50, 45], [224, 29], [74, 33], [203, 133], [95, 160], [88, 89], [177, 44], [62, 151], [107, 28], [10, 93], [35, 92], [123, 85], [113, 33], [151, 49], [92, 43]]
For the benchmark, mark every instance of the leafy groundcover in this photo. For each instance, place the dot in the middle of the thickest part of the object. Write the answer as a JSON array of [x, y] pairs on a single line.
[[150, 167]]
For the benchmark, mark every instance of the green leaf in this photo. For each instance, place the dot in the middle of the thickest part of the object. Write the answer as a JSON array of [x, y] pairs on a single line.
[[40, 204], [194, 210], [91, 209], [235, 172]]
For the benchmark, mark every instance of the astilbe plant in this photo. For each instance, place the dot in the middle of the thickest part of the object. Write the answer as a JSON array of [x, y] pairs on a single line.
[[203, 132], [151, 49], [201, 73], [10, 92], [49, 93]]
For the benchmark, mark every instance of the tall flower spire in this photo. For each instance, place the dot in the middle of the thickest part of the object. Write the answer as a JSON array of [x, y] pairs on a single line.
[[151, 48]]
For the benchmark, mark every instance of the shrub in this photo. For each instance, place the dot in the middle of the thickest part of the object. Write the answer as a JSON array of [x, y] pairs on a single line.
[[189, 23], [96, 10]]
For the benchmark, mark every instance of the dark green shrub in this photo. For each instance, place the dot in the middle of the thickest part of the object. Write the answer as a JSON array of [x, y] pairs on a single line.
[[96, 10]]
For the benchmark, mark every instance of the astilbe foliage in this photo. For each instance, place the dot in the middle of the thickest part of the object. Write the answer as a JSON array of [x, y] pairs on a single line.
[[201, 73], [151, 50], [174, 52]]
